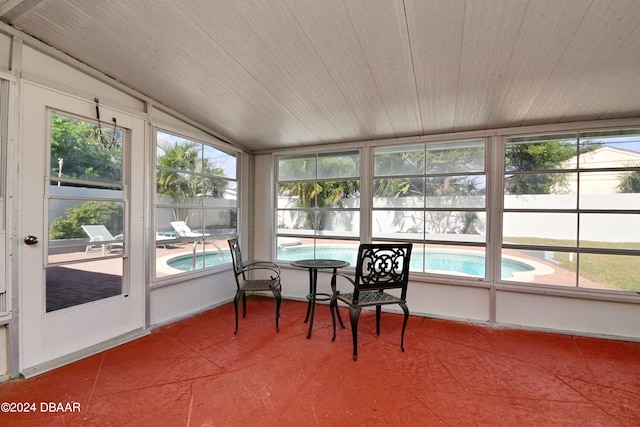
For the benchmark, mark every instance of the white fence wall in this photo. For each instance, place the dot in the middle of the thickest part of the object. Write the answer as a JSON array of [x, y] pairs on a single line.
[[606, 228]]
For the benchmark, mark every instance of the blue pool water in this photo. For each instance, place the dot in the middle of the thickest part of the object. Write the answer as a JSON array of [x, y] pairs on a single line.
[[444, 261]]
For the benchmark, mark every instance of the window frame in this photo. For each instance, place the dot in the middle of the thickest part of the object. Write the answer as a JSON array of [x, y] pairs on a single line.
[[313, 234], [426, 243], [576, 210], [494, 172], [169, 275]]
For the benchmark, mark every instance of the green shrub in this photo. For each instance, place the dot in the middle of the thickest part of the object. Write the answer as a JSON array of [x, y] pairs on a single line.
[[68, 226]]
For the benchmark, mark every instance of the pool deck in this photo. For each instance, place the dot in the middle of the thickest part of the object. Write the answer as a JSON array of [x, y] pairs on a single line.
[[554, 275]]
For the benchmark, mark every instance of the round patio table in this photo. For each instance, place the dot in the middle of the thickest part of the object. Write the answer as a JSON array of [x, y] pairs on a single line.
[[313, 265]]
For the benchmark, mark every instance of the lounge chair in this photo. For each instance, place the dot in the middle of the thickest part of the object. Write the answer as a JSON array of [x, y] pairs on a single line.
[[285, 242], [183, 230], [100, 237], [164, 240]]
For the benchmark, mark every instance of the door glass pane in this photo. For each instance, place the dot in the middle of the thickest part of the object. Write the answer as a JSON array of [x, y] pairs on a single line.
[[81, 229], [85, 151], [86, 242], [80, 283]]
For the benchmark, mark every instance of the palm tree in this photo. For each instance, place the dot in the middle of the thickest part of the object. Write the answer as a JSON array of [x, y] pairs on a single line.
[[183, 175], [319, 194], [629, 182]]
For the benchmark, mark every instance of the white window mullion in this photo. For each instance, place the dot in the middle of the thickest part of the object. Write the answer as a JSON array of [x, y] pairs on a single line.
[[366, 194]]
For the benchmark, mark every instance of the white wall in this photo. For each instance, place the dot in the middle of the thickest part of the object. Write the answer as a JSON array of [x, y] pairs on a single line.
[[182, 299], [263, 232], [575, 315]]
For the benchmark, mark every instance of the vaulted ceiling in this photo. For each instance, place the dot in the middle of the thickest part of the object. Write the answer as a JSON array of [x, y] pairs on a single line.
[[271, 74]]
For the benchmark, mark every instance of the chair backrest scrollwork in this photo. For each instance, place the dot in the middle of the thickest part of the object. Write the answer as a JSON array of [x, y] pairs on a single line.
[[236, 256], [383, 266]]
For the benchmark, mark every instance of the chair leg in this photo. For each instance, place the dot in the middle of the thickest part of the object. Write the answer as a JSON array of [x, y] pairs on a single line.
[[333, 305], [378, 310], [244, 305], [235, 306], [278, 297], [306, 318], [404, 324], [339, 318], [355, 314], [333, 289]]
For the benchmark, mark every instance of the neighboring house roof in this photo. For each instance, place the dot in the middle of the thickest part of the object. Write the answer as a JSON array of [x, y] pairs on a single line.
[[605, 182], [605, 157]]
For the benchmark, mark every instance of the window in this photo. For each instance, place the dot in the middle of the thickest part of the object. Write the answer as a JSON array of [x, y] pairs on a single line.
[[87, 205], [318, 206], [196, 207], [434, 195], [572, 208]]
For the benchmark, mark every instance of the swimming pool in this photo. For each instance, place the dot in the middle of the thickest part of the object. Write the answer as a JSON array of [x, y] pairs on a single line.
[[209, 259], [446, 262]]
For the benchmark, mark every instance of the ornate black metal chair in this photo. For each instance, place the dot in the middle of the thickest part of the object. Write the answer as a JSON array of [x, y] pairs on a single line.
[[379, 267], [247, 286]]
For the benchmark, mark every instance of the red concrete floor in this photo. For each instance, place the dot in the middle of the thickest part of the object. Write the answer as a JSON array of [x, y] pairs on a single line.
[[197, 373]]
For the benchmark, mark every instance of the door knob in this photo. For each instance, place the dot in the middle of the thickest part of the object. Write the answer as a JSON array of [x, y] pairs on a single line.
[[31, 240]]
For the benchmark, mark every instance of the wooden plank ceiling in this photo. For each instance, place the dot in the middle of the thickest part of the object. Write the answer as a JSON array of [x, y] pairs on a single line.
[[270, 74]]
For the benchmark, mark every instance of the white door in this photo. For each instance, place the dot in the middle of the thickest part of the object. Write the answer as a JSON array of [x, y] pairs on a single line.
[[82, 260]]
